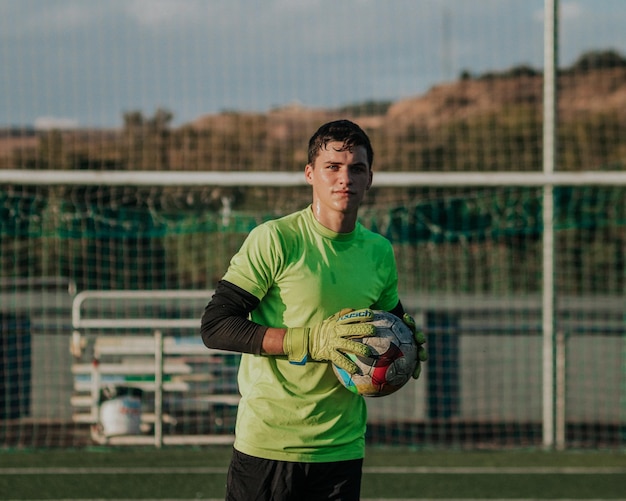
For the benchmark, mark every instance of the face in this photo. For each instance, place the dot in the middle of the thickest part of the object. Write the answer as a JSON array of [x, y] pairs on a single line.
[[340, 178]]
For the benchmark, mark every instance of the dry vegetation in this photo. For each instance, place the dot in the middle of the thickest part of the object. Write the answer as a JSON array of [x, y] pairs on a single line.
[[483, 123]]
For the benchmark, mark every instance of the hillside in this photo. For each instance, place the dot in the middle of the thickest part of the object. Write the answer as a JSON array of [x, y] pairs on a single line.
[[601, 91], [495, 119], [485, 122]]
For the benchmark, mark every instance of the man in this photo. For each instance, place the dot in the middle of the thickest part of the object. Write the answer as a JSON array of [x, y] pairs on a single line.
[[296, 292]]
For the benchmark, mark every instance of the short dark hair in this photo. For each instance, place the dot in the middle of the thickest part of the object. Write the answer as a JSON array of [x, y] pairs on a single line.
[[344, 131]]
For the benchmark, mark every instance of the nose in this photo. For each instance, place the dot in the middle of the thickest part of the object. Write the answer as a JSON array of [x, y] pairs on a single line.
[[345, 177]]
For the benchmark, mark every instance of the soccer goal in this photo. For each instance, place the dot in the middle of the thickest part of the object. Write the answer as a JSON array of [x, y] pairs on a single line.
[[501, 192], [472, 254]]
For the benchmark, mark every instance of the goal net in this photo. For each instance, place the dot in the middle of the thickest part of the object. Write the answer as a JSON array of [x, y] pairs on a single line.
[[470, 268], [112, 238]]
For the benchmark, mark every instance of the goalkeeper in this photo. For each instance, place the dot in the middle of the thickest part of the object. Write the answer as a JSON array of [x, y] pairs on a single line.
[[292, 298]]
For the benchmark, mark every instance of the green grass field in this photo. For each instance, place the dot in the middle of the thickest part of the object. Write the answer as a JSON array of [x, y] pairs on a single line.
[[389, 474]]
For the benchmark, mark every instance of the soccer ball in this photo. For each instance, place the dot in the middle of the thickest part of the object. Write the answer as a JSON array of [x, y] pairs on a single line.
[[391, 364]]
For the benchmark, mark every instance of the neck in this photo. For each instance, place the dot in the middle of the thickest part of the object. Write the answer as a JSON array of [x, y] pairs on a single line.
[[338, 222]]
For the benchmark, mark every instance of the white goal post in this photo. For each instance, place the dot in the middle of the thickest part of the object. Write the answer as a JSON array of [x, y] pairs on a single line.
[[286, 179]]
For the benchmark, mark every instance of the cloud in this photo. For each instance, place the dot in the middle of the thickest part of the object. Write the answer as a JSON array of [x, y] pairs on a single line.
[[31, 18], [571, 11], [167, 13], [94, 59], [48, 123]]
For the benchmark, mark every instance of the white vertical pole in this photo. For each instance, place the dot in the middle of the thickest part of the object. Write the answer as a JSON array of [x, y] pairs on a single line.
[[559, 417], [549, 160], [158, 389], [95, 390]]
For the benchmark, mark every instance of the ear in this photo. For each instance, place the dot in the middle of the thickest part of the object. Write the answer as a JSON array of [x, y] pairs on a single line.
[[369, 184], [308, 173]]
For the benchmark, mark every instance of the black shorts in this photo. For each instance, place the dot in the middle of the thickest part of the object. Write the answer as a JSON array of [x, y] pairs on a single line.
[[255, 479]]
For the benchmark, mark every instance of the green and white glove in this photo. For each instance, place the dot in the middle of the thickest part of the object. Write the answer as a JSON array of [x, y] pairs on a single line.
[[331, 339], [422, 355]]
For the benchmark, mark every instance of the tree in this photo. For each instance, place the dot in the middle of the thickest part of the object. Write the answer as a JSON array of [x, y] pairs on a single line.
[[597, 59], [147, 139]]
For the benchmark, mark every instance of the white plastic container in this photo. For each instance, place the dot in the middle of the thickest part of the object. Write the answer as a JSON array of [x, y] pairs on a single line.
[[121, 415]]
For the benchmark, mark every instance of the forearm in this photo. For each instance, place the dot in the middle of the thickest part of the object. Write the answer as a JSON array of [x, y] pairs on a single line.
[[232, 334], [273, 341], [225, 323]]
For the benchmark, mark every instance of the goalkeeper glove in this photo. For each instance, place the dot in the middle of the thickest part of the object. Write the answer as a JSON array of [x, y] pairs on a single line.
[[331, 339], [420, 339]]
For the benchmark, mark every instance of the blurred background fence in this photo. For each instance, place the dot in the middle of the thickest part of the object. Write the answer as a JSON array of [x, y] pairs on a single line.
[[502, 192]]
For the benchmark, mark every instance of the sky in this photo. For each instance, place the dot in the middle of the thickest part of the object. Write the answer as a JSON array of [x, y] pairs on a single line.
[[84, 63]]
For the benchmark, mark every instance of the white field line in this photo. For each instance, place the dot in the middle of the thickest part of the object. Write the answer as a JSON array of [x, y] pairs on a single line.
[[372, 470], [514, 470], [362, 499]]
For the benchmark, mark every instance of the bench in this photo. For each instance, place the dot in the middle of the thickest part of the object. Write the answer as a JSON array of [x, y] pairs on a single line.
[[174, 372]]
